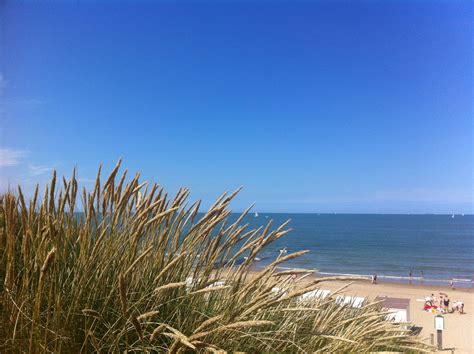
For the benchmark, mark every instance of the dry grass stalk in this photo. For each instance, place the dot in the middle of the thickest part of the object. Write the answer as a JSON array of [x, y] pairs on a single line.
[[209, 322], [48, 260], [157, 331], [170, 286], [147, 315], [210, 289]]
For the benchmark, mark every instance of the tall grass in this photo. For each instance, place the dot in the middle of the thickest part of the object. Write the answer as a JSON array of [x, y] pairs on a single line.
[[138, 271]]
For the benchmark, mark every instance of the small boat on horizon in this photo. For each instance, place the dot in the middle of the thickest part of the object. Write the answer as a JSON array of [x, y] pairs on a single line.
[[256, 215]]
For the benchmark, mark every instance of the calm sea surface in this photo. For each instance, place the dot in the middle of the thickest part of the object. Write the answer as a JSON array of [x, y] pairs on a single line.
[[440, 246]]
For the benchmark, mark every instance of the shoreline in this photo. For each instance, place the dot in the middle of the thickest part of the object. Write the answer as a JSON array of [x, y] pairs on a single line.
[[402, 285], [396, 284], [425, 284], [465, 284]]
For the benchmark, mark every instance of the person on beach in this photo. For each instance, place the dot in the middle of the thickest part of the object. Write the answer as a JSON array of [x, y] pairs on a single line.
[[441, 302], [446, 303], [451, 283], [429, 300], [410, 275], [458, 306], [374, 279]]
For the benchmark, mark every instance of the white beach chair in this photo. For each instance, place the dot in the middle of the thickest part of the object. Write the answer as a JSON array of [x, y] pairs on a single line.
[[358, 302], [353, 301], [189, 283], [276, 290], [217, 283], [343, 300], [314, 294]]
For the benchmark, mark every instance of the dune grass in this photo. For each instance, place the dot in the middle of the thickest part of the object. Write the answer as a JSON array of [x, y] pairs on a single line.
[[140, 271]]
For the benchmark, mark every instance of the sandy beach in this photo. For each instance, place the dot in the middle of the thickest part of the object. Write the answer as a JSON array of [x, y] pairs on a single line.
[[458, 334], [459, 329]]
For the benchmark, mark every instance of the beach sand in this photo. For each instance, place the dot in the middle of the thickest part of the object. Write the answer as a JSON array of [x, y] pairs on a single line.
[[459, 329], [458, 334]]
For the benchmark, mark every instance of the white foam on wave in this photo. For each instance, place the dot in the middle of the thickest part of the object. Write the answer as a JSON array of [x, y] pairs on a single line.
[[368, 276], [395, 277], [462, 280]]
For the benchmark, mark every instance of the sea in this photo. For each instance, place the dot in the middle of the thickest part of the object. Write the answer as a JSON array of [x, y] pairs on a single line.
[[435, 249]]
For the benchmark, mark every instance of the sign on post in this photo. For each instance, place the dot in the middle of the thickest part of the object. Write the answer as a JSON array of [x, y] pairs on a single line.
[[439, 326], [439, 323]]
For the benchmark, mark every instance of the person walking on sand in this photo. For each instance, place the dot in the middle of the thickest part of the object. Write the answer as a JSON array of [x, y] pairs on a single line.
[[410, 275], [374, 279], [451, 283]]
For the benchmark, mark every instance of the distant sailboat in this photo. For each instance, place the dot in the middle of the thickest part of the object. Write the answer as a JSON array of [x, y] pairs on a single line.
[[452, 216], [256, 214]]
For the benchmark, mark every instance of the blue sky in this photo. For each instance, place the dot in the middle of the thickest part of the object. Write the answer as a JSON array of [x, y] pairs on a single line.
[[360, 106]]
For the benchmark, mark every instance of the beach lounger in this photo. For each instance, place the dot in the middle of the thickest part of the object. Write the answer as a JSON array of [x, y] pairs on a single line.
[[315, 294], [189, 283], [354, 301], [278, 290], [358, 302], [217, 283]]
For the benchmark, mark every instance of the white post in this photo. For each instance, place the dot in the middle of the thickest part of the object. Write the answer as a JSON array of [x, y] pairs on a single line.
[[439, 326]]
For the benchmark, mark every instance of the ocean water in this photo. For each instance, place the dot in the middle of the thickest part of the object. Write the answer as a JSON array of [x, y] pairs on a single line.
[[390, 246]]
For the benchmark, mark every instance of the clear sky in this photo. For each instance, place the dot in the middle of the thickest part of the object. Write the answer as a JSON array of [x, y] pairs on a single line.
[[324, 106]]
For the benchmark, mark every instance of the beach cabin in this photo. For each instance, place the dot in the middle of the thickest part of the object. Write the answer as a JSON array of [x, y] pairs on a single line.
[[399, 307]]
